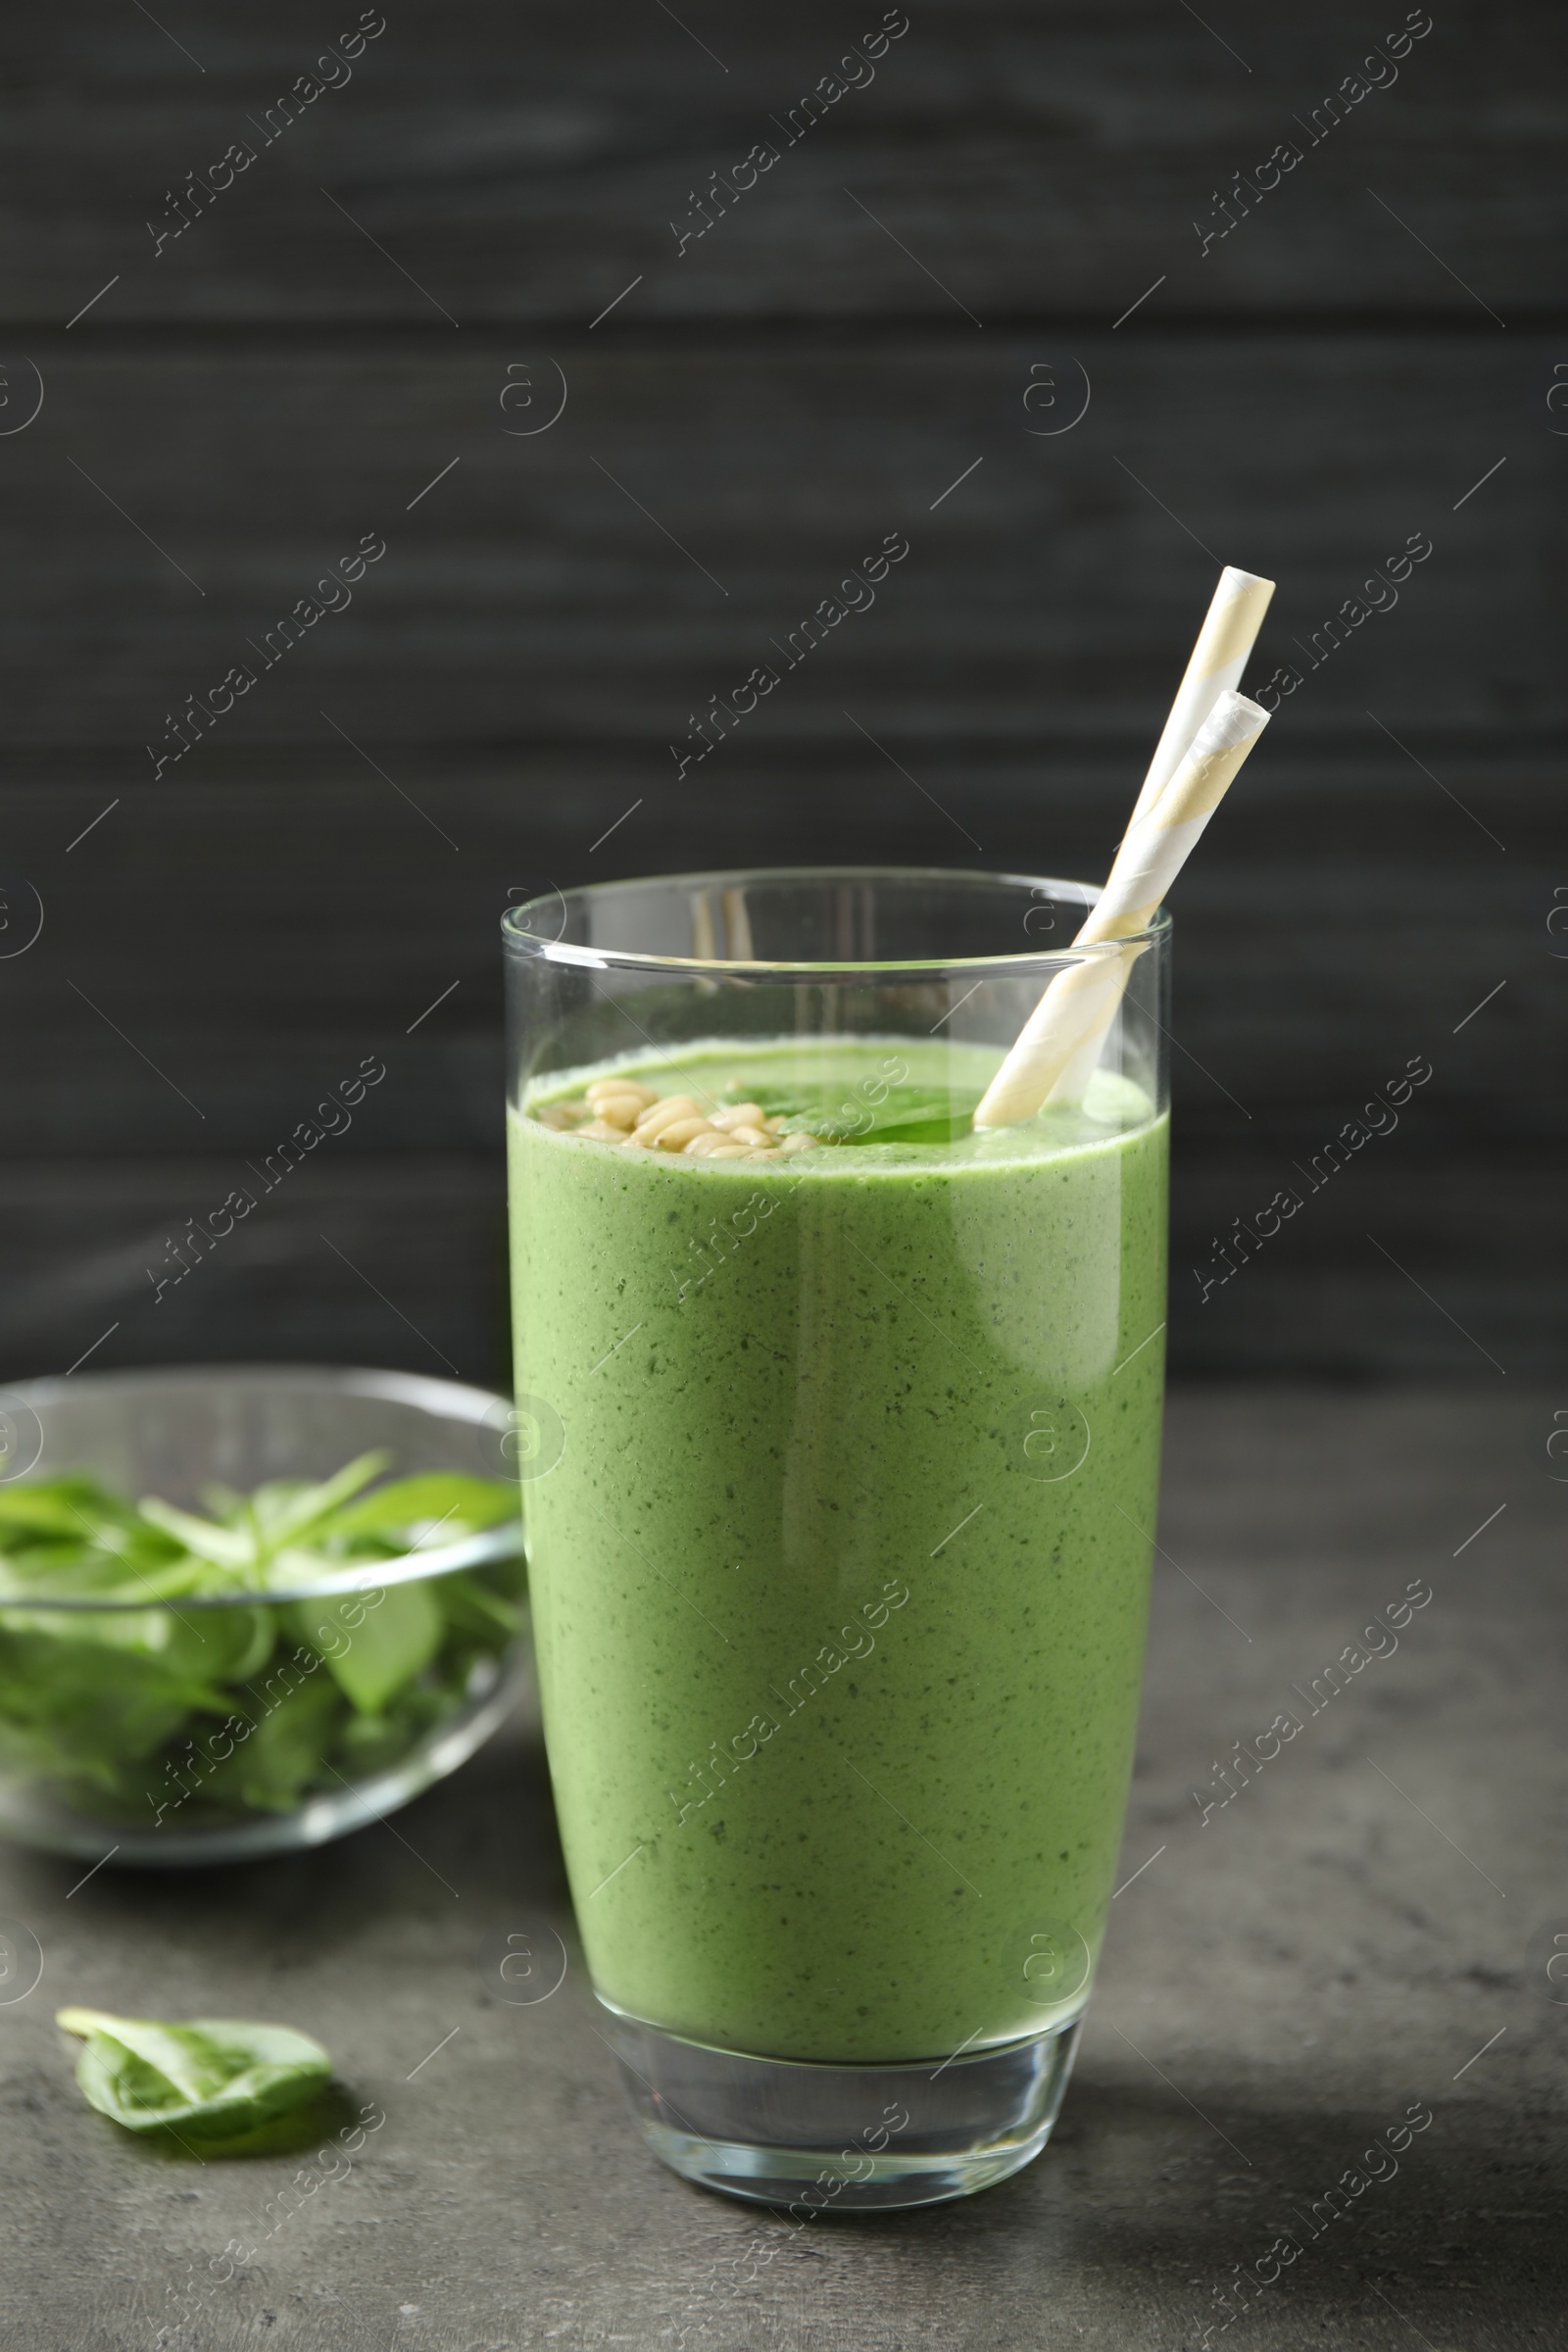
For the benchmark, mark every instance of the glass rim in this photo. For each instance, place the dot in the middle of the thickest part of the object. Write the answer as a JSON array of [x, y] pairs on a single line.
[[519, 938]]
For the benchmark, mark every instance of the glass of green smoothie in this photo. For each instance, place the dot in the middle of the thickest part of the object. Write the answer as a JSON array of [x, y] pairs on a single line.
[[848, 1419]]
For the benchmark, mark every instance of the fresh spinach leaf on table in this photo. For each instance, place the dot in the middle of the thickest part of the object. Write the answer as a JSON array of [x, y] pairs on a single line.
[[214, 2078]]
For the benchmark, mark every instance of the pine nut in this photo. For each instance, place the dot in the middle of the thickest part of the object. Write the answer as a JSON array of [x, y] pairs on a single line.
[[622, 1111], [627, 1112], [680, 1132], [664, 1114], [603, 1089]]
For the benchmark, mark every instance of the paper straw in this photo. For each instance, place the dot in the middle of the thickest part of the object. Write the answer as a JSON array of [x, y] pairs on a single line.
[[1060, 1045], [1224, 642]]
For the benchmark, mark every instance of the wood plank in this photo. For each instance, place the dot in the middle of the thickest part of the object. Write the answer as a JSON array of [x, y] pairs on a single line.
[[518, 171], [603, 581], [256, 939], [1400, 1265]]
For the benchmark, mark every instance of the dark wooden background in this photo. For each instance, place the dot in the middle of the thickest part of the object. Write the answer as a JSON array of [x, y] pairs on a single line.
[[334, 331]]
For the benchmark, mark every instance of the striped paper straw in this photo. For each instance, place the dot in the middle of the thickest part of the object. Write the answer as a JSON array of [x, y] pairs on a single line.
[[1060, 1045], [1224, 644]]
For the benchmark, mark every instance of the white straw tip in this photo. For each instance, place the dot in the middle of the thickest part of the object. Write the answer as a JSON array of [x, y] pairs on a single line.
[[1235, 579], [1232, 719]]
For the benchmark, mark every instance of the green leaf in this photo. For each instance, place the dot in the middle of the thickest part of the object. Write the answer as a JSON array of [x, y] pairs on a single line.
[[89, 1692], [71, 1536], [286, 1517], [283, 1755], [473, 1605], [183, 1712], [913, 1114], [92, 1733], [212, 2079], [373, 1647], [443, 1504], [222, 1546], [906, 1114], [276, 1515], [61, 1506]]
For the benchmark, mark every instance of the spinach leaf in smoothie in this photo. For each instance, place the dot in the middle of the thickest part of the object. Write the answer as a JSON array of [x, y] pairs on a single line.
[[905, 1114], [215, 2078]]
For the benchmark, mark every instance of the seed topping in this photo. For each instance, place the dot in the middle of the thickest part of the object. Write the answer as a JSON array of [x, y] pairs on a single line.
[[638, 1117]]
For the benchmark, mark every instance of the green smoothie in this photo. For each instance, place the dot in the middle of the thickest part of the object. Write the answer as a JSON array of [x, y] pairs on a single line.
[[840, 1581]]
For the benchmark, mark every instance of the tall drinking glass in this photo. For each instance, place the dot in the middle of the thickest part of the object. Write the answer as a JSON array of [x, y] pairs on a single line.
[[842, 1433]]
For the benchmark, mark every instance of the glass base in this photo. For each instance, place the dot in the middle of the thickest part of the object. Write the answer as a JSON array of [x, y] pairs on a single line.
[[842, 2139]]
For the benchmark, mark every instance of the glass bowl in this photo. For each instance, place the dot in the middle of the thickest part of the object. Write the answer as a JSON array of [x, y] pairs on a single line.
[[207, 1728]]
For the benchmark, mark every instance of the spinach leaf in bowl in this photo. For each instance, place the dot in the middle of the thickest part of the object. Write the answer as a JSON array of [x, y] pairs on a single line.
[[181, 1708]]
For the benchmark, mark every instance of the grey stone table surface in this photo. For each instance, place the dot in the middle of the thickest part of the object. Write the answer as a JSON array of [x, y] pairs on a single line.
[[1359, 1936]]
